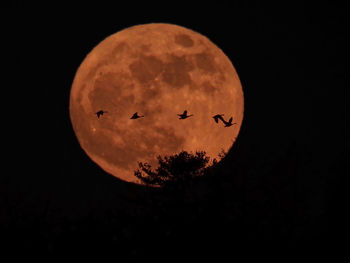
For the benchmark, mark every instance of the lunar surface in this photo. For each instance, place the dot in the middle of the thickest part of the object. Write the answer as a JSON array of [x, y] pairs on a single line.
[[157, 70]]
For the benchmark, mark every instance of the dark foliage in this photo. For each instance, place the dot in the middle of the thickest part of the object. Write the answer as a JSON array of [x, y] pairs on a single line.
[[179, 168]]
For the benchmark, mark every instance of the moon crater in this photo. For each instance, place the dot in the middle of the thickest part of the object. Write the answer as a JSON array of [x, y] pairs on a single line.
[[184, 40]]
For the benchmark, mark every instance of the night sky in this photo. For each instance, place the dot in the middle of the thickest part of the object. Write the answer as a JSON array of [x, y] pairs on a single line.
[[280, 186]]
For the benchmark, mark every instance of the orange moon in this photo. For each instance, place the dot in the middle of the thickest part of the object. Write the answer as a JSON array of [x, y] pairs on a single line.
[[158, 70]]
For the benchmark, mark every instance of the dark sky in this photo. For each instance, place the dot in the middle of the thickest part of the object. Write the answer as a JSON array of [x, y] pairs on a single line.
[[285, 169]]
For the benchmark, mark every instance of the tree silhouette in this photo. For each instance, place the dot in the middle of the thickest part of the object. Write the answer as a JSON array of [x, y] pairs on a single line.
[[179, 168]]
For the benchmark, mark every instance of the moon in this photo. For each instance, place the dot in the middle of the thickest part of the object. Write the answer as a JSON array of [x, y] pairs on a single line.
[[158, 70]]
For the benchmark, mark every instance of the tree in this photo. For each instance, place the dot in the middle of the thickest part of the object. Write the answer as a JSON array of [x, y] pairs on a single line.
[[175, 169]]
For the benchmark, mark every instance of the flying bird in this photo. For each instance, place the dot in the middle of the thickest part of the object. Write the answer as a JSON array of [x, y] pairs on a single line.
[[136, 116], [228, 123], [218, 117], [184, 115], [100, 112]]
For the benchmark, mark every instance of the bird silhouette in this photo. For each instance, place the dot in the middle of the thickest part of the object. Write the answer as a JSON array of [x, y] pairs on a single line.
[[136, 116], [218, 117], [184, 115], [100, 112], [228, 123]]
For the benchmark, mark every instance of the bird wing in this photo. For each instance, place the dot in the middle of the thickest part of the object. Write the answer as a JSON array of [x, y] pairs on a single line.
[[216, 119], [221, 118], [185, 112], [230, 120]]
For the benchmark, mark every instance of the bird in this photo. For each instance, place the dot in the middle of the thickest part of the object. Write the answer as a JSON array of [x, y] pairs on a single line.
[[228, 123], [136, 116], [184, 115], [100, 112], [218, 117]]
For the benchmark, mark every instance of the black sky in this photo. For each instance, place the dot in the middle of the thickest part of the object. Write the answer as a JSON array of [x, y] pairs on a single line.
[[286, 167]]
